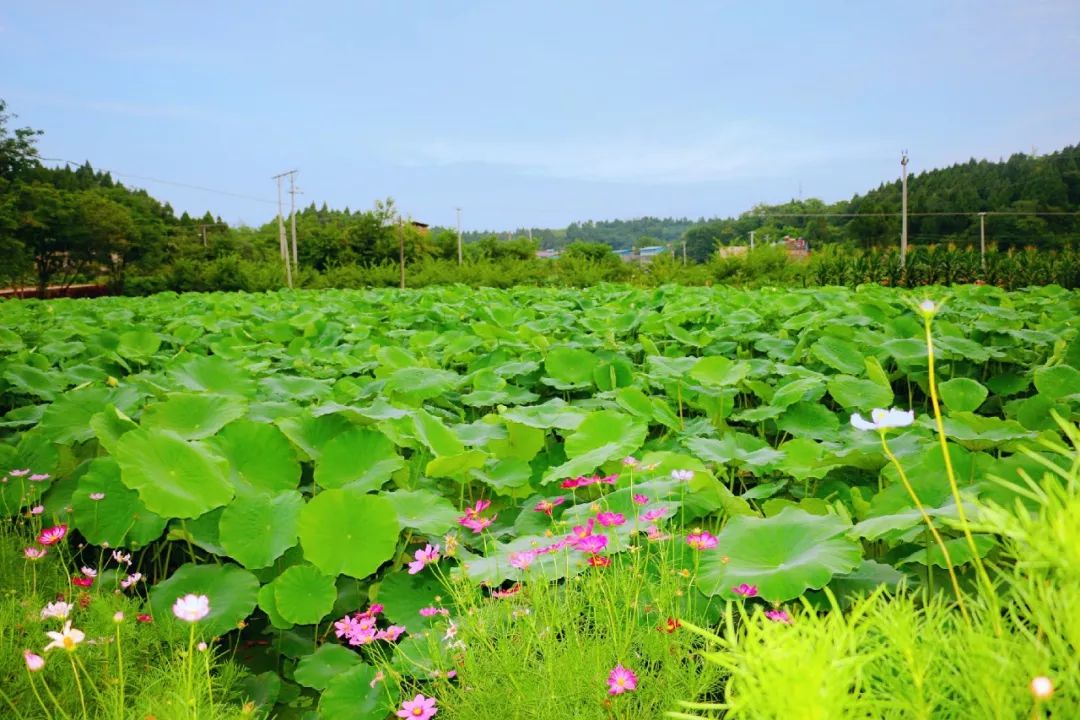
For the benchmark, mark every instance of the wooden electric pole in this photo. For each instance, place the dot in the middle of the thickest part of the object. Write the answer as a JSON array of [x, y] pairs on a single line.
[[982, 240], [401, 249], [292, 218], [903, 208], [459, 253], [282, 243]]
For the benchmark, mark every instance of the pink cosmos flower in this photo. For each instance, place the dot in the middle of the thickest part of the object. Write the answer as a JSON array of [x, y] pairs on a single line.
[[390, 634], [433, 611], [701, 540], [53, 535], [548, 506], [121, 557], [33, 553], [641, 499], [621, 680], [682, 474], [88, 571], [19, 473], [430, 554], [779, 615], [191, 607], [373, 610], [611, 519], [97, 496], [144, 618], [522, 560], [477, 524], [630, 461], [131, 580], [652, 515], [599, 560], [592, 544], [59, 610], [747, 591], [37, 510], [655, 535], [571, 483], [82, 581], [479, 507], [33, 662], [345, 626], [419, 708], [39, 477], [582, 531]]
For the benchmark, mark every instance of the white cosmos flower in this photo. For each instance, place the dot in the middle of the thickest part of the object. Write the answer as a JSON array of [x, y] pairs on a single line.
[[59, 610], [884, 419], [66, 639]]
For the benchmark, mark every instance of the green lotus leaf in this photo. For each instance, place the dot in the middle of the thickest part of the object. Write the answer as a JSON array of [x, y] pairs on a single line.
[[783, 556], [719, 371], [303, 595], [415, 384], [360, 458], [138, 344], [354, 695], [347, 531], [423, 510], [959, 552], [108, 425], [173, 478], [859, 394], [604, 428], [1057, 382], [268, 604], [839, 354], [256, 529], [231, 590], [404, 595], [191, 416], [435, 435], [319, 669], [962, 394], [311, 434], [552, 414], [109, 513], [456, 465], [216, 375], [259, 455], [570, 366]]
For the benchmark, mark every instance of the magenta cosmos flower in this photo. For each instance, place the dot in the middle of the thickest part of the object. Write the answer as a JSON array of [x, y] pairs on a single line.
[[653, 515], [522, 560], [419, 708], [548, 506], [621, 680], [423, 558], [701, 540], [53, 535], [779, 615], [745, 590], [611, 519], [592, 544], [641, 499], [472, 518]]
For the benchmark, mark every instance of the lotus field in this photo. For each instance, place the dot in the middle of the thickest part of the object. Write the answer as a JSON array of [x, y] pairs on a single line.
[[542, 503]]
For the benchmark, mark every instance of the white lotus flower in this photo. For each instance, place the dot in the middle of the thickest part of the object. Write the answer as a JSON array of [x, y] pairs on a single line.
[[884, 419], [191, 608]]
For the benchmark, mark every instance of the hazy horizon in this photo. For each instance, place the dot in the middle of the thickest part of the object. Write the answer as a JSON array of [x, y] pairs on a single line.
[[529, 116]]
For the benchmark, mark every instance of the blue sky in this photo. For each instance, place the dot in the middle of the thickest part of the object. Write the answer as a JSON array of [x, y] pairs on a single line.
[[538, 114]]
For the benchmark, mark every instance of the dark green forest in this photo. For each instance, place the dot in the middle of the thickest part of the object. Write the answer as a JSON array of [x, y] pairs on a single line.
[[69, 224]]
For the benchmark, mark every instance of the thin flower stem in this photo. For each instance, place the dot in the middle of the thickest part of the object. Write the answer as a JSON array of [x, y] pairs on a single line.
[[929, 524], [78, 684], [12, 705], [119, 674], [950, 472], [52, 697]]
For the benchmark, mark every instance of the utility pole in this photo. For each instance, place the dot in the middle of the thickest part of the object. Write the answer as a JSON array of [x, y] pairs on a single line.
[[281, 232], [982, 240], [684, 251], [401, 249], [292, 216], [459, 253], [903, 208], [751, 239]]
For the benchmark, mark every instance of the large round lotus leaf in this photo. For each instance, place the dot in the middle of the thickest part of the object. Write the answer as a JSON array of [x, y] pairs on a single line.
[[173, 478], [119, 517], [1058, 381], [354, 695], [214, 374], [256, 529], [606, 427], [423, 510], [347, 531], [311, 434], [416, 383], [319, 669], [432, 432], [962, 394], [193, 416], [303, 595], [571, 366], [268, 604], [108, 425], [404, 595], [260, 456], [361, 458], [232, 592], [839, 354], [138, 344], [719, 371], [783, 556], [859, 394]]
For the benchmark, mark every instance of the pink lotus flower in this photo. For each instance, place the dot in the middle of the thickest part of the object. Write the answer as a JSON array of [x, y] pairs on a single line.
[[641, 499], [621, 680], [548, 506], [779, 615], [37, 510], [53, 535], [747, 591], [33, 553], [592, 544], [599, 560], [97, 496], [611, 519], [191, 607], [701, 540], [419, 708], [39, 477], [522, 560], [33, 662], [430, 554]]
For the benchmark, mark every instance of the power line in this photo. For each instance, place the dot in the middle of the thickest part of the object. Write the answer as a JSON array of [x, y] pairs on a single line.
[[911, 214], [167, 182]]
